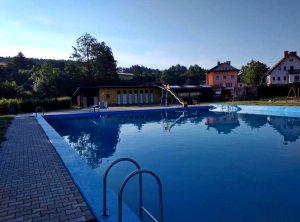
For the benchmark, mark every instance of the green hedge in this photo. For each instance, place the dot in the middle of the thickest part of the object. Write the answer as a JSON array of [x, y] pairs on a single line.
[[8, 106], [275, 90]]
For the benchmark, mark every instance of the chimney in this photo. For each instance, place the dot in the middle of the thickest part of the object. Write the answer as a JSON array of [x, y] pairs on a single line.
[[228, 62], [286, 53], [219, 63], [293, 53]]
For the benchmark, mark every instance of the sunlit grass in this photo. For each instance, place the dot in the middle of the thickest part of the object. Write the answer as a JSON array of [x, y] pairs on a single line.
[[279, 101]]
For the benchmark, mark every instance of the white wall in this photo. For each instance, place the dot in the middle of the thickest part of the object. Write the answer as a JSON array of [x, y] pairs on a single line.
[[281, 71]]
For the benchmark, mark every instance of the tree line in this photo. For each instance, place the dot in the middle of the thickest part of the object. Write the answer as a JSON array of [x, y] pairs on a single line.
[[92, 63]]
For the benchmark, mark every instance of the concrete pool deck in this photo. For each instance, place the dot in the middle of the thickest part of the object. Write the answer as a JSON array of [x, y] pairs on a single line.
[[34, 184]]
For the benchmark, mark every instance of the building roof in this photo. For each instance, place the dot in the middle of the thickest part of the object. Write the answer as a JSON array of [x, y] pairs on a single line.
[[91, 88], [189, 86], [287, 54], [125, 74], [222, 67]]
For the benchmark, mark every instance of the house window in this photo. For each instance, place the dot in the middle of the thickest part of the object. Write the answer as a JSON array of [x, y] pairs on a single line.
[[229, 84], [284, 68], [124, 92], [273, 78], [296, 78], [119, 92], [279, 67], [232, 76], [130, 91], [224, 77], [291, 60], [107, 96], [284, 77], [278, 78], [217, 77]]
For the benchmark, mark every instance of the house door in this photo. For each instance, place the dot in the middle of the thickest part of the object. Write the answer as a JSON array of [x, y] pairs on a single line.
[[146, 97], [96, 100], [141, 97], [124, 97], [151, 97], [135, 96], [119, 98], [130, 97]]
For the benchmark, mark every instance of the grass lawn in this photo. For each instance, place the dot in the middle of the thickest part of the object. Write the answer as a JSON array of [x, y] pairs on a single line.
[[264, 102], [4, 123]]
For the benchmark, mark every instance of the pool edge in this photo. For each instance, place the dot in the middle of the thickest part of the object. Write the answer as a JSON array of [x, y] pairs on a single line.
[[88, 182]]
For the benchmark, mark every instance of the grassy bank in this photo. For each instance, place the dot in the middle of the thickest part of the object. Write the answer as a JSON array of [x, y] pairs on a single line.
[[4, 123], [279, 101]]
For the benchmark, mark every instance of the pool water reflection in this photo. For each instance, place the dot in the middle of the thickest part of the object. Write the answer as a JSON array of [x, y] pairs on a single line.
[[214, 166]]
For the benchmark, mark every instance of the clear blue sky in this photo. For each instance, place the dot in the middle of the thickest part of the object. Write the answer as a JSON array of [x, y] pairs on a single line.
[[154, 33]]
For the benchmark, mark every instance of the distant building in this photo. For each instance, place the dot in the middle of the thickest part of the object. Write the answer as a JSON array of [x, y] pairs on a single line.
[[125, 76], [287, 70], [222, 75], [117, 95], [193, 94]]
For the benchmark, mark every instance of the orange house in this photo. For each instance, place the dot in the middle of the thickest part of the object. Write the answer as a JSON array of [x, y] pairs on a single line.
[[224, 75]]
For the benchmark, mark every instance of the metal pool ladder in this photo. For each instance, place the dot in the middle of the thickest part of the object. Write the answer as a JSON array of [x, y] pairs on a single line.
[[37, 109], [139, 172]]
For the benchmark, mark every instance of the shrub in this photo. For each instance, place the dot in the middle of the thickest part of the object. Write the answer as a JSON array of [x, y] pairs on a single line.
[[29, 105]]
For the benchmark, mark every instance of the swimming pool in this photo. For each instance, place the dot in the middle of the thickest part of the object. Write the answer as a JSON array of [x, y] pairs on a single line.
[[213, 166]]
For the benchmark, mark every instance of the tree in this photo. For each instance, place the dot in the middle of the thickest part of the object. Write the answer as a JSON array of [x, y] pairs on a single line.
[[105, 66], [173, 75], [253, 73], [195, 75], [136, 69], [97, 58], [3, 73], [9, 89], [47, 81], [21, 62], [83, 53], [16, 69]]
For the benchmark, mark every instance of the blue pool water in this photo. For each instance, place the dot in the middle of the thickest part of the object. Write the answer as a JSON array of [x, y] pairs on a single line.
[[213, 166]]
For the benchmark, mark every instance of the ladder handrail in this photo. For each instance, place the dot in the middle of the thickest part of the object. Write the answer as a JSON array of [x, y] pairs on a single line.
[[168, 89], [104, 210], [37, 109], [142, 208]]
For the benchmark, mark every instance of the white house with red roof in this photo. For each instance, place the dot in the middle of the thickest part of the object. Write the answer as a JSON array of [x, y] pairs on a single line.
[[287, 70]]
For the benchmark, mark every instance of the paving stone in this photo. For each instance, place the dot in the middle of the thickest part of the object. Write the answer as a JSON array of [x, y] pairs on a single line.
[[34, 184]]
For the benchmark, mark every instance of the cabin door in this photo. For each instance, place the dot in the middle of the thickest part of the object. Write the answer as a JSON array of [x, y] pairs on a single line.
[[119, 98], [124, 97], [130, 97], [141, 97], [146, 97], [151, 97], [135, 96]]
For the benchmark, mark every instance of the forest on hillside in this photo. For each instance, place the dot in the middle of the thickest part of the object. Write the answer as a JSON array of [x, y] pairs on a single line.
[[91, 63]]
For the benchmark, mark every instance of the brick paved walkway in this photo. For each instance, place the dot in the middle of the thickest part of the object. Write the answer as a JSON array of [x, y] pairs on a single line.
[[34, 184]]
